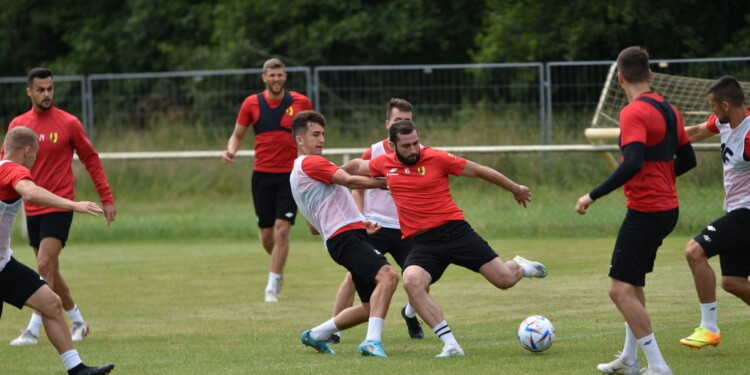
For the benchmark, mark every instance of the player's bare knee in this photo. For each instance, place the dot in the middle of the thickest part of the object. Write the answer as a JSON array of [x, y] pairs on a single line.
[[51, 305], [694, 253], [414, 285], [387, 277]]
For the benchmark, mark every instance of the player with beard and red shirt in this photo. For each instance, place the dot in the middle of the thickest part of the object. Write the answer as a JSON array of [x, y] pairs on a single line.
[[418, 179], [60, 135], [655, 150], [19, 285], [270, 114]]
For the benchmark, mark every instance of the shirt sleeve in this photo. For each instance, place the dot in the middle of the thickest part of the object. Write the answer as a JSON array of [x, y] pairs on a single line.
[[376, 166], [451, 163], [90, 158], [319, 169], [711, 124], [367, 155], [632, 126], [246, 115]]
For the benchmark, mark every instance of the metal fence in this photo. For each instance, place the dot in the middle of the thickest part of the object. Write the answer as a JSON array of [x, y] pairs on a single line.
[[555, 99]]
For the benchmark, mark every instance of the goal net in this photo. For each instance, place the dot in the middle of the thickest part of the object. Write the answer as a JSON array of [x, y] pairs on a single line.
[[685, 93]]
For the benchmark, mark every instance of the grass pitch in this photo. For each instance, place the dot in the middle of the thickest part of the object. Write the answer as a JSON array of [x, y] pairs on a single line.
[[196, 308]]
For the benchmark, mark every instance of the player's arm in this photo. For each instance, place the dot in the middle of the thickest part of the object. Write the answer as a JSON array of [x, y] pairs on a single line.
[[33, 193], [90, 159], [341, 177], [632, 163], [313, 230], [698, 132], [684, 159], [359, 199], [521, 193], [357, 166], [235, 141]]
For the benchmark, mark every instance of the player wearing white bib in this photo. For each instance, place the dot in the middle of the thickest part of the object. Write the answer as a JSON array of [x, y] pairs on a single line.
[[319, 188], [729, 235], [377, 206]]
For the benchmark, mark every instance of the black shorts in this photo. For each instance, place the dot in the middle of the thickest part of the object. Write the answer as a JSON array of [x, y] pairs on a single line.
[[454, 242], [351, 250], [728, 237], [389, 241], [17, 283], [640, 236], [272, 198], [53, 224]]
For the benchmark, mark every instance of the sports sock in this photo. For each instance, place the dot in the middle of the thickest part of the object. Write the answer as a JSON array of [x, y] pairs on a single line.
[[444, 333], [35, 324], [409, 311], [324, 331], [75, 315], [708, 317], [629, 353], [70, 359], [374, 328], [273, 281], [653, 355]]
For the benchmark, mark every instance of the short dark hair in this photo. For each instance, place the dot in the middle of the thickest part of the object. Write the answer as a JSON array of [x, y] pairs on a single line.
[[401, 127], [37, 73], [18, 138], [302, 121], [727, 89], [273, 63], [632, 63], [401, 104]]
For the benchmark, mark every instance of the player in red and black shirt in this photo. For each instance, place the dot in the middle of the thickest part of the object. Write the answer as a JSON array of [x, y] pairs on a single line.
[[270, 114], [655, 149], [19, 285], [60, 135], [418, 179]]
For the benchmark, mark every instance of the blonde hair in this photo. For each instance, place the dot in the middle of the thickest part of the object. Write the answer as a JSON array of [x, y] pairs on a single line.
[[273, 63], [18, 138]]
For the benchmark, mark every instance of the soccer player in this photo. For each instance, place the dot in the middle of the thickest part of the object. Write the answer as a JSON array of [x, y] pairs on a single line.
[[320, 190], [270, 114], [60, 135], [418, 179], [19, 285], [729, 235], [655, 149], [377, 206]]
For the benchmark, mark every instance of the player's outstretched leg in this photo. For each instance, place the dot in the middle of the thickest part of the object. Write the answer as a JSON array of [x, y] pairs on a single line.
[[319, 345]]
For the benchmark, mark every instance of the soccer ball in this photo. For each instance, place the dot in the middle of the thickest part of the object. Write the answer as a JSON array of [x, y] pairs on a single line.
[[536, 333]]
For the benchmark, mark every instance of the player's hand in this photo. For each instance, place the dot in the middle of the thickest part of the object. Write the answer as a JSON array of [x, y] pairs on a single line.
[[227, 156], [583, 204], [522, 195], [371, 227], [87, 207], [109, 213]]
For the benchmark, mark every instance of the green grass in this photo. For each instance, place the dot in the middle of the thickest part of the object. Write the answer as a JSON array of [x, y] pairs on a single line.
[[195, 307]]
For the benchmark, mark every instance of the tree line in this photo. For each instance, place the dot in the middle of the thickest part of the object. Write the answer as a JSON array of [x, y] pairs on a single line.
[[117, 36]]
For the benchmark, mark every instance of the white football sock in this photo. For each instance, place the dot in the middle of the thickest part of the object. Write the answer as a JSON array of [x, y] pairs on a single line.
[[708, 317], [409, 311], [444, 333], [75, 315], [374, 328], [653, 355], [70, 359], [324, 331], [273, 281], [629, 353], [35, 324]]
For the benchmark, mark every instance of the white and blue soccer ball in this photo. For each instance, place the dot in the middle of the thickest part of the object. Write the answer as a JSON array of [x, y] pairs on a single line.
[[536, 333]]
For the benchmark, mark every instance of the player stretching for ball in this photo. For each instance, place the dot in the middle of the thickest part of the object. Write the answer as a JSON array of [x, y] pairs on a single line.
[[655, 149], [19, 285], [377, 206], [418, 179], [729, 235], [320, 189]]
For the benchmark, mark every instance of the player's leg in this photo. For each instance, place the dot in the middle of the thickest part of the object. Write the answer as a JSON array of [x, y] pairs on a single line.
[[739, 286], [344, 299], [707, 333], [502, 275]]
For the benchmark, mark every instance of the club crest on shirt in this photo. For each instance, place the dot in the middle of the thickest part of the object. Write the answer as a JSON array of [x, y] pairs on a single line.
[[53, 137], [290, 111], [421, 170]]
